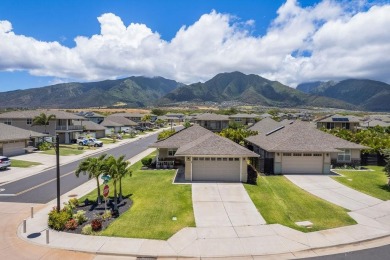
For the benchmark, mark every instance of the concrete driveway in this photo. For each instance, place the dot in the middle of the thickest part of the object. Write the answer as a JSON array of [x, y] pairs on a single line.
[[328, 189], [224, 205]]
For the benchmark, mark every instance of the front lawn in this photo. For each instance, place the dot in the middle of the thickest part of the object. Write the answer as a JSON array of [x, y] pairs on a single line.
[[281, 202], [23, 164], [373, 183], [66, 150], [156, 201]]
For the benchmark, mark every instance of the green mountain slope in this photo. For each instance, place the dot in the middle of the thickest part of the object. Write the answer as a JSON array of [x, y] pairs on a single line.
[[133, 91], [366, 94], [252, 89]]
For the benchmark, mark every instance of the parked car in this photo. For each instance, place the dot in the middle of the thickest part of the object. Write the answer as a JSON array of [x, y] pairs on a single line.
[[140, 128], [4, 163], [89, 141]]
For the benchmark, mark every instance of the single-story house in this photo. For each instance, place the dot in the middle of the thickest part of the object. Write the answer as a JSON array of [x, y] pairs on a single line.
[[126, 124], [212, 122], [244, 119], [111, 126], [14, 140], [63, 124], [135, 117], [339, 121], [93, 129], [265, 125], [300, 148], [374, 123], [206, 156], [91, 116]]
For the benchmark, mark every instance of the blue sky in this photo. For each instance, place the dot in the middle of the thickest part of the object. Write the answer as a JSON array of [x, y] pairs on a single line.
[[31, 62]]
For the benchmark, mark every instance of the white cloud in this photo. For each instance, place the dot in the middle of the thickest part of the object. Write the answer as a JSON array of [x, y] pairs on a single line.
[[330, 40]]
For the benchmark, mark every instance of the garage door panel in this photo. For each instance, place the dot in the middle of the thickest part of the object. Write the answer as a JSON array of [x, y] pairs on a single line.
[[302, 164], [12, 149], [216, 171]]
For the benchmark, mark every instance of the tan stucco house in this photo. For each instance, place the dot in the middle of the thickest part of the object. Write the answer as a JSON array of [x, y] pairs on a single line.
[[206, 156], [339, 121], [244, 119], [63, 124], [299, 148], [212, 122]]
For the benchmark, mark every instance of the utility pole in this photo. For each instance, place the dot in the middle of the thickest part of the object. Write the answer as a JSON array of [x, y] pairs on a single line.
[[57, 148]]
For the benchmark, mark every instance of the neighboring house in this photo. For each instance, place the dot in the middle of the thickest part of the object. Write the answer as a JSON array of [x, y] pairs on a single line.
[[206, 156], [135, 117], [212, 122], [63, 124], [265, 115], [244, 119], [176, 116], [126, 124], [372, 123], [338, 121], [111, 126], [14, 140], [93, 129], [265, 125], [301, 149], [92, 116]]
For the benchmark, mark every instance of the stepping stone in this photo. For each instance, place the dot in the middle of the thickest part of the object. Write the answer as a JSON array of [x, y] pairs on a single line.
[[306, 224]]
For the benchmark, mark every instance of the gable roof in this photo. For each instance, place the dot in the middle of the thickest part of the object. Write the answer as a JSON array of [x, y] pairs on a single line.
[[121, 120], [89, 114], [196, 140], [211, 117], [8, 133], [107, 123], [90, 126], [265, 125], [375, 122], [300, 137], [24, 114], [129, 114], [339, 118], [244, 116]]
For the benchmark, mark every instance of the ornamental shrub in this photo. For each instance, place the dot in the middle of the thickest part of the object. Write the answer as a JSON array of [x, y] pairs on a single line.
[[106, 215], [96, 224], [80, 217], [87, 230], [147, 161], [74, 202], [71, 224], [57, 220], [44, 146]]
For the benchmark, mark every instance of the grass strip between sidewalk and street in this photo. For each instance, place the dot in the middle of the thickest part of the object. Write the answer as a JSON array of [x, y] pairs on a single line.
[[281, 202], [23, 164], [66, 150], [155, 202], [373, 183]]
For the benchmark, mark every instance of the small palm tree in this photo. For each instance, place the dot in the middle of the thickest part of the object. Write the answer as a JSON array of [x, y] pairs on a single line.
[[43, 119], [117, 169], [94, 166]]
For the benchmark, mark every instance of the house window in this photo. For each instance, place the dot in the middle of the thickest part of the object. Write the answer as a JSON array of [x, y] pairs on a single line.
[[171, 152], [286, 154], [317, 154], [307, 154], [29, 121], [236, 159], [344, 156], [8, 121], [224, 159], [238, 120], [230, 159], [213, 159], [297, 154], [195, 158], [219, 159], [207, 159], [329, 125]]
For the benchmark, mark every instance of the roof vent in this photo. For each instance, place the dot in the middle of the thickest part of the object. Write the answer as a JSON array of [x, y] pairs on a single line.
[[273, 131]]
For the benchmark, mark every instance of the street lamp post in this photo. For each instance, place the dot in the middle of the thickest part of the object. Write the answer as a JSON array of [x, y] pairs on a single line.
[[57, 148]]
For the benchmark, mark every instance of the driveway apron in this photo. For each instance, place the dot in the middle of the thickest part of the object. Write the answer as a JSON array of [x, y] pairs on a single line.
[[223, 205], [328, 189]]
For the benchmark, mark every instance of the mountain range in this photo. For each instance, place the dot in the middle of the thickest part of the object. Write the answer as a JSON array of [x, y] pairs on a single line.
[[234, 86]]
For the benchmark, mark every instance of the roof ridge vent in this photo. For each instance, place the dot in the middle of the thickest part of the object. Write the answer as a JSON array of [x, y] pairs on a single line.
[[273, 131]]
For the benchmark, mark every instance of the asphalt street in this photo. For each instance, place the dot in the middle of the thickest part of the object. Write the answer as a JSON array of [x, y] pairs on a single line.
[[41, 188]]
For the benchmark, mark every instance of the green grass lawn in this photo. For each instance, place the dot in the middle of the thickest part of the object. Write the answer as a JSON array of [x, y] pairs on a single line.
[[280, 201], [156, 200], [66, 150], [373, 183], [23, 164], [106, 140]]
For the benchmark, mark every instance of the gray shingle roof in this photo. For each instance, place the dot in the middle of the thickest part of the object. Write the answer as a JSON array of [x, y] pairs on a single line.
[[352, 119], [196, 140], [301, 137], [107, 123], [89, 114], [122, 120], [372, 123], [211, 116], [8, 133], [129, 114], [33, 113], [265, 125], [90, 126], [244, 116]]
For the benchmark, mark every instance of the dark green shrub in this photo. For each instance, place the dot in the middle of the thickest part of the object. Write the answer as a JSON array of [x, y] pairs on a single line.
[[57, 220], [44, 146], [147, 161], [252, 175]]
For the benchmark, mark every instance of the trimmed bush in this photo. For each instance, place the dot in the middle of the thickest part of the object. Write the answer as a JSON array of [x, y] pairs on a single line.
[[147, 161], [106, 215], [252, 175], [57, 220], [71, 224], [87, 230], [74, 202], [44, 146], [80, 217]]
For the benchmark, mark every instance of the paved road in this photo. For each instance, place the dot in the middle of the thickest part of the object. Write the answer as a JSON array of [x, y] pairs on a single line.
[[41, 188]]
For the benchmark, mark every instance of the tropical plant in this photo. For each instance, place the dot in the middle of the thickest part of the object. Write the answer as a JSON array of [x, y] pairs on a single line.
[[187, 124], [158, 111], [71, 224], [147, 161], [386, 153], [94, 166], [237, 135], [96, 224], [165, 134], [80, 217], [58, 219], [117, 168], [146, 118], [87, 230], [159, 122], [43, 119]]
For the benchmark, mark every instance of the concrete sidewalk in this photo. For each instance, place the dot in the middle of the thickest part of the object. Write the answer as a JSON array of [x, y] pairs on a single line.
[[49, 161], [220, 241]]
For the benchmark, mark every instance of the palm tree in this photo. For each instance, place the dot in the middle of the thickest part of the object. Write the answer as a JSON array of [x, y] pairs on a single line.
[[43, 119], [95, 166], [117, 169]]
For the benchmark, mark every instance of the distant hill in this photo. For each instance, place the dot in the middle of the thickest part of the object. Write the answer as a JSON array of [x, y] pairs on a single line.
[[132, 91], [252, 89], [366, 94]]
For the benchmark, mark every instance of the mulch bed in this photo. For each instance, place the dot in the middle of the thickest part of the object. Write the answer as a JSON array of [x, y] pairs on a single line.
[[94, 210]]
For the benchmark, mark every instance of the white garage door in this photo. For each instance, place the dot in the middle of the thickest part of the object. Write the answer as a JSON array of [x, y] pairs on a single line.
[[11, 149], [220, 169], [302, 163]]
